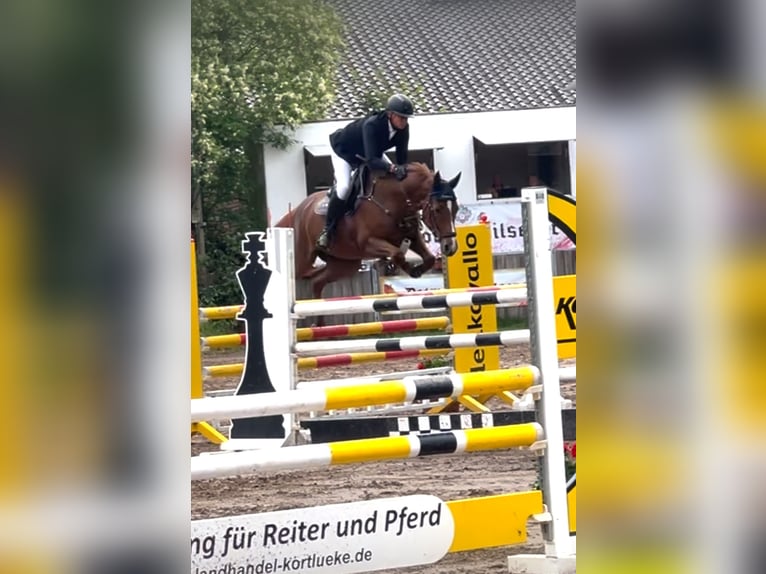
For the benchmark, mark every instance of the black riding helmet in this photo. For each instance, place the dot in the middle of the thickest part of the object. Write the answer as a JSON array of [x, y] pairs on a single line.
[[401, 105]]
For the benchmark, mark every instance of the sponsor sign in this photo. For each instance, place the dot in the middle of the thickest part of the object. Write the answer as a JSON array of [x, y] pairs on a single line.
[[504, 220], [471, 266], [403, 285], [563, 212], [335, 539], [565, 300]]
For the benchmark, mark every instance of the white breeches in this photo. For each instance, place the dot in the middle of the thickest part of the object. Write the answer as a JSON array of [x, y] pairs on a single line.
[[342, 171]]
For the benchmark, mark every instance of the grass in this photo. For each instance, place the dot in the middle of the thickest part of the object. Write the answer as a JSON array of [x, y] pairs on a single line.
[[512, 324], [220, 327]]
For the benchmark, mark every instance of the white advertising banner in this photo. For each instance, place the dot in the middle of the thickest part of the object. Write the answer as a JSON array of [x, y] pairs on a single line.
[[335, 539], [504, 218], [403, 285]]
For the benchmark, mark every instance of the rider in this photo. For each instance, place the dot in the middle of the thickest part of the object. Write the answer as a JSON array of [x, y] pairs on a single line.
[[368, 137]]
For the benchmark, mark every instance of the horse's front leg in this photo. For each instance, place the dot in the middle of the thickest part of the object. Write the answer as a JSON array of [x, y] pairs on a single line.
[[382, 249], [419, 246]]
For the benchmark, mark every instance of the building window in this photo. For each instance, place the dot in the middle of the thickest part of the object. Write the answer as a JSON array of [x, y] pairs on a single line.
[[318, 172], [502, 170]]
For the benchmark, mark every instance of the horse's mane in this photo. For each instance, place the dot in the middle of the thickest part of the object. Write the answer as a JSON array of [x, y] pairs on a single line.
[[420, 169]]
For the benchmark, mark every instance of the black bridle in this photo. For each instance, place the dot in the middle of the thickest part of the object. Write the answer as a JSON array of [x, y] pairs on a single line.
[[441, 193]]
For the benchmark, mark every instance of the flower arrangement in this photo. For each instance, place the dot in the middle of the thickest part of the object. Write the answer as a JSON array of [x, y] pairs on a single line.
[[432, 362], [570, 458], [570, 464]]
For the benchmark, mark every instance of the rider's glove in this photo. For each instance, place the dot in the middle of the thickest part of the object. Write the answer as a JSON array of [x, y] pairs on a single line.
[[400, 171]]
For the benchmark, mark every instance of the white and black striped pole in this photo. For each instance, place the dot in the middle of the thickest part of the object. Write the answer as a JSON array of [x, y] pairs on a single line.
[[316, 307], [457, 341]]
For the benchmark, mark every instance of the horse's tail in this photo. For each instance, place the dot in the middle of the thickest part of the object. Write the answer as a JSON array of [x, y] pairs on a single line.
[[288, 220]]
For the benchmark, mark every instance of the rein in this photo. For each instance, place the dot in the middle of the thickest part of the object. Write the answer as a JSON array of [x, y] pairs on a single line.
[[411, 220]]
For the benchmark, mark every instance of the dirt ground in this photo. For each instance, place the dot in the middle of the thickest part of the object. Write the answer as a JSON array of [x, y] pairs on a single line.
[[447, 477]]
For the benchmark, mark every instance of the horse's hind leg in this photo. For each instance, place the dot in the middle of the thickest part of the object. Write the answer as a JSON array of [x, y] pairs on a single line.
[[304, 259], [318, 282], [313, 272]]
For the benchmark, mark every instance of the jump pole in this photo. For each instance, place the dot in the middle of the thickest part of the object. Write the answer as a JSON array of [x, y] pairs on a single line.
[[340, 359], [457, 341], [331, 331], [231, 311], [377, 304], [335, 360], [373, 328], [313, 456], [364, 394]]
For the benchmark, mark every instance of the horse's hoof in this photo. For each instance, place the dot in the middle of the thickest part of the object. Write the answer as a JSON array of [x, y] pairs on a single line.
[[416, 271]]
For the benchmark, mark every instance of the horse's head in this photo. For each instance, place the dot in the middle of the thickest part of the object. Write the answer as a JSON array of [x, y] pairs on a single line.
[[440, 211]]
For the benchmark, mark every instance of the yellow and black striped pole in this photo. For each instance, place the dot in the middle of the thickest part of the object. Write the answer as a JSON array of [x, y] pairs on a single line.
[[364, 394], [314, 456]]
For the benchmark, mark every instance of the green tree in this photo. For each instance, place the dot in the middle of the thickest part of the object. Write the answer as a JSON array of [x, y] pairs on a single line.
[[259, 69]]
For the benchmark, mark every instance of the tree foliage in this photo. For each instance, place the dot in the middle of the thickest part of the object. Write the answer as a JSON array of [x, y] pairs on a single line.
[[259, 69]]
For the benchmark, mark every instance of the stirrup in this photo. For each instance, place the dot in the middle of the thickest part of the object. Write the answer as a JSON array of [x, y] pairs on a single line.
[[323, 241]]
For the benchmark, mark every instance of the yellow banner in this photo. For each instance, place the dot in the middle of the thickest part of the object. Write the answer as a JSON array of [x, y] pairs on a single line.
[[565, 301], [472, 266], [572, 502]]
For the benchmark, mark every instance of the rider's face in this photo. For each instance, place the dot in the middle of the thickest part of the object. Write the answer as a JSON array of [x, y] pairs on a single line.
[[399, 122]]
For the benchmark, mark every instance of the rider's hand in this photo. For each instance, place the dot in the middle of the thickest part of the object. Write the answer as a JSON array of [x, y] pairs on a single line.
[[400, 171]]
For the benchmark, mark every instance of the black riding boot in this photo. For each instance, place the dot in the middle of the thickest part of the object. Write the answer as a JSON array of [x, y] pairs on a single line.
[[335, 209]]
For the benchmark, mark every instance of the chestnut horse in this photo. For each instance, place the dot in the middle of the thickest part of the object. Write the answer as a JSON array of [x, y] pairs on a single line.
[[388, 215]]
